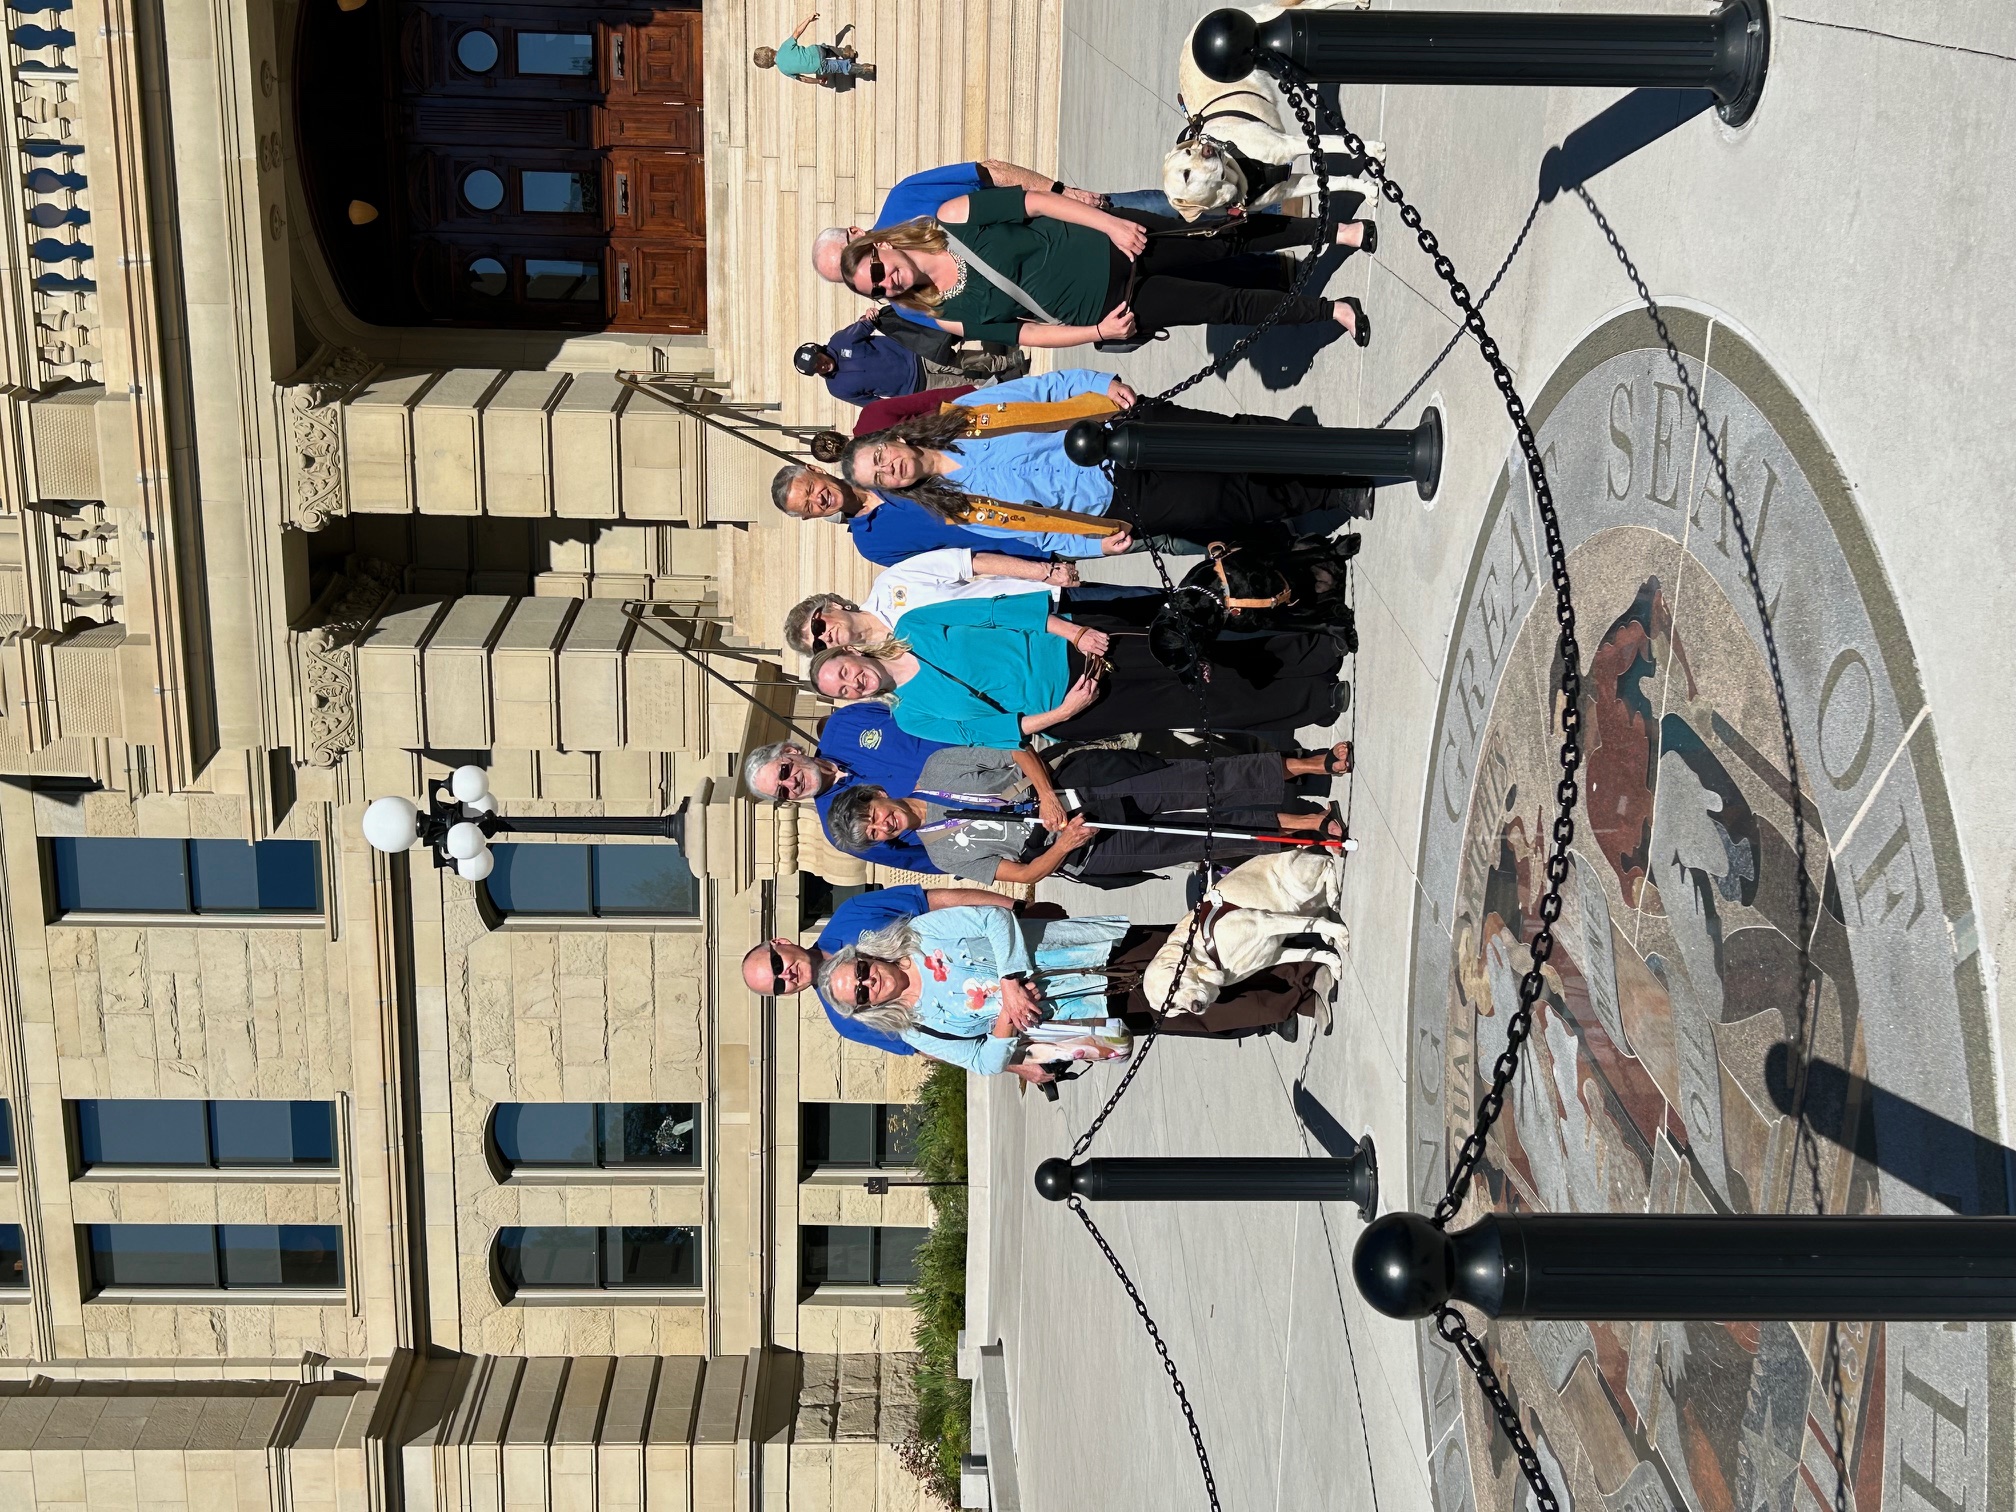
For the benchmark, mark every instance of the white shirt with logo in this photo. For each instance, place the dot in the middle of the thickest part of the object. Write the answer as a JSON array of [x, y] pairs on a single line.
[[933, 577]]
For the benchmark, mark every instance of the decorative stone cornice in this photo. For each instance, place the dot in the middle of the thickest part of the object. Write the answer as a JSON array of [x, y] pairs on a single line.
[[55, 193], [327, 657], [311, 409]]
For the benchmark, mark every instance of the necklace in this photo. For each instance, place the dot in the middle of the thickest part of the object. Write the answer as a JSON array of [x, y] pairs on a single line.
[[959, 283]]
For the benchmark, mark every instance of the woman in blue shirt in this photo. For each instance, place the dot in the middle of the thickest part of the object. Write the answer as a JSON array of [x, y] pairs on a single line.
[[929, 460]]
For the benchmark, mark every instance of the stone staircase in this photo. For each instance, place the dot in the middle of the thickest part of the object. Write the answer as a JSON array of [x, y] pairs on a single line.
[[959, 80]]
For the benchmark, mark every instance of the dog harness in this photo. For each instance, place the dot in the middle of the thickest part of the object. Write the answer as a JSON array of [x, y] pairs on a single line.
[[1209, 912], [1218, 552], [1260, 177]]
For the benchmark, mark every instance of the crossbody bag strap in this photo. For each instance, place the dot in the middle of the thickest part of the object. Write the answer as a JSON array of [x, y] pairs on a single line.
[[979, 693], [964, 1039], [999, 279]]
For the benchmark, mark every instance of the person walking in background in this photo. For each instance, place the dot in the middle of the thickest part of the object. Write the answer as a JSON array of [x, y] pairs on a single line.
[[832, 66]]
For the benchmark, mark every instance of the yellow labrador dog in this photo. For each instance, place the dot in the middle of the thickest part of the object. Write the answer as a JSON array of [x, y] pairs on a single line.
[[1236, 152], [1270, 911]]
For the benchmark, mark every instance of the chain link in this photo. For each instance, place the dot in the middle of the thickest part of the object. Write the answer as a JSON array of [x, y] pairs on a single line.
[[1450, 1325]]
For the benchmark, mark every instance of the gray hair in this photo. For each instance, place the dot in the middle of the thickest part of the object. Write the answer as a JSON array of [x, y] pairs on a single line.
[[798, 622], [847, 818], [780, 486], [761, 757], [834, 238], [892, 943]]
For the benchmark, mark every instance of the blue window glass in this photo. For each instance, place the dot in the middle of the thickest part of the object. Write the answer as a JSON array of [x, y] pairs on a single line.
[[305, 1255], [154, 1254], [116, 875], [257, 1132], [859, 1134], [168, 1132], [563, 278], [594, 881], [855, 1255], [547, 191], [588, 1135], [567, 54], [142, 1132], [546, 1134], [596, 1258], [121, 876], [6, 1133], [13, 1260], [644, 880]]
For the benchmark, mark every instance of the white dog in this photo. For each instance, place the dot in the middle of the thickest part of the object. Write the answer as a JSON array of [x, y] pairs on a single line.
[[1251, 921], [1239, 154]]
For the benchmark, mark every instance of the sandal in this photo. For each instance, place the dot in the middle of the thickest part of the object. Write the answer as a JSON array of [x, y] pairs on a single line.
[[1333, 764], [1361, 333], [1368, 237], [1333, 830]]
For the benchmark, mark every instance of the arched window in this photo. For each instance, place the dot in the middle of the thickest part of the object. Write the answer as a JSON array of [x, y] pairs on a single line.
[[594, 882], [597, 1259], [589, 1136]]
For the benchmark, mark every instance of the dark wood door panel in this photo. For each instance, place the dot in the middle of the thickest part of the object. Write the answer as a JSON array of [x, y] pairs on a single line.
[[660, 288], [657, 194], [654, 59], [677, 128]]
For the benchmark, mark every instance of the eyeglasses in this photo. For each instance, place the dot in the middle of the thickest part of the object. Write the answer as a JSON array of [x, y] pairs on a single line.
[[817, 625], [777, 979], [860, 984], [876, 274]]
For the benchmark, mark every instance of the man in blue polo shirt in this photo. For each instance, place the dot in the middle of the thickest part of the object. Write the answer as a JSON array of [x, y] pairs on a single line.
[[780, 967], [859, 743], [887, 531]]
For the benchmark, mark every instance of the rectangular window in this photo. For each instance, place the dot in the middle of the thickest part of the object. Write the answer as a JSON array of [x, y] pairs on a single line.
[[867, 1135], [593, 1259], [13, 1259], [118, 875], [594, 881], [848, 1255], [546, 192], [561, 278], [563, 54], [219, 1257], [6, 1133], [590, 1135], [182, 1134]]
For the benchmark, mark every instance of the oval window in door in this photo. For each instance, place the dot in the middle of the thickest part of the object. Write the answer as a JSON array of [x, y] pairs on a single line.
[[487, 277], [476, 51], [483, 189]]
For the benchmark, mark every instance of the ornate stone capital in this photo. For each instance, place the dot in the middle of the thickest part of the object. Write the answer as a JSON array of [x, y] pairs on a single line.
[[326, 657], [312, 411]]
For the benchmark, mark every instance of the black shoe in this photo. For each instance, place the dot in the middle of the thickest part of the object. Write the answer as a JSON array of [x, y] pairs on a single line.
[[1288, 1029]]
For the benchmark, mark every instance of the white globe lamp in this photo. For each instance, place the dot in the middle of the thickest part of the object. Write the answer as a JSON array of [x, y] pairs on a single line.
[[475, 868], [466, 841], [469, 784], [487, 804], [392, 825]]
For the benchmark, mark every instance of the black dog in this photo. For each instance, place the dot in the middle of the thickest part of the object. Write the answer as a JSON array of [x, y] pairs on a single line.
[[1241, 589]]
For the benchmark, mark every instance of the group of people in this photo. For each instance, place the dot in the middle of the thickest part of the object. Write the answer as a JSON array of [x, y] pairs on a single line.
[[981, 634]]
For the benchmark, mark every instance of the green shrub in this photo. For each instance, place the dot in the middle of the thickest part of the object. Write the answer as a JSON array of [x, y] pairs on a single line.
[[944, 1402]]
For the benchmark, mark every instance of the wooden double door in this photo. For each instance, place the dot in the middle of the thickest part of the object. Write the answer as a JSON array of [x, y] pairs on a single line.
[[554, 165]]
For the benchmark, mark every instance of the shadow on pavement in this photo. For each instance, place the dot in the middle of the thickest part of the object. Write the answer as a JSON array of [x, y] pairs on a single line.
[[1322, 1125], [1637, 120], [1929, 1153]]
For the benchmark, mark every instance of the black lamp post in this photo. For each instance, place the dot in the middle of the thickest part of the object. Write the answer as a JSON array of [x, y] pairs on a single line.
[[1339, 451], [1730, 1269], [1354, 1178], [459, 820], [1725, 52]]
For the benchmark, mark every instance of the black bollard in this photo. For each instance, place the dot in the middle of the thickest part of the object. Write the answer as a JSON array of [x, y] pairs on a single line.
[[1725, 53], [1689, 1266], [1335, 451], [1219, 1179]]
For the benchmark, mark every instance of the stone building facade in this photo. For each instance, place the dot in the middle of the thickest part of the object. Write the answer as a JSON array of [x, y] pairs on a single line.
[[283, 1222]]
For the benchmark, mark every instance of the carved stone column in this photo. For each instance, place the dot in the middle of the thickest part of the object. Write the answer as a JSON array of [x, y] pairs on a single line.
[[326, 661], [312, 412]]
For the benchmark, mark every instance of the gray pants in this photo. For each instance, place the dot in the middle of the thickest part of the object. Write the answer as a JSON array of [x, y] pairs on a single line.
[[974, 366]]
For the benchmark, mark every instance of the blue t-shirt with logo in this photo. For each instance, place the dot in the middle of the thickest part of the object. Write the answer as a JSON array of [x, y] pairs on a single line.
[[898, 529], [864, 739], [851, 920]]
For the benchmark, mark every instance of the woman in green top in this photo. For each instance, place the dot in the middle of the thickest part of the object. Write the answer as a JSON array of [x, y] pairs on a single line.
[[1097, 275]]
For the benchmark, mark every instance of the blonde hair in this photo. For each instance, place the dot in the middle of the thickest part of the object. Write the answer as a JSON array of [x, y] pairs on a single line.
[[922, 234], [765, 57]]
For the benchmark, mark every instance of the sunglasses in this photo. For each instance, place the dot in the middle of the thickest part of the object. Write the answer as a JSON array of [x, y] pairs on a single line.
[[817, 625], [777, 980], [876, 274], [860, 985]]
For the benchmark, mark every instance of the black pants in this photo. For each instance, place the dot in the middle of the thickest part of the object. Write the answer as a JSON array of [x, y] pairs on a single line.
[[1297, 687], [1249, 790], [1211, 506], [1110, 606], [1185, 280]]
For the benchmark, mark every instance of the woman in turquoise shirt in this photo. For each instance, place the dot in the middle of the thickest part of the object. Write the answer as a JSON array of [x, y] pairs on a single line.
[[963, 984], [1093, 275], [991, 671]]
